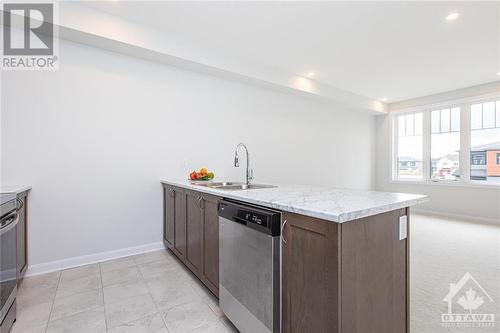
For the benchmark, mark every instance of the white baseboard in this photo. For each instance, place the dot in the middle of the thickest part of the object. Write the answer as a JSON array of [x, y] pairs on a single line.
[[465, 218], [91, 258]]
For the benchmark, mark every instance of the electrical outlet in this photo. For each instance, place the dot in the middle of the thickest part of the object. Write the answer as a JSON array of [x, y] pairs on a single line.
[[403, 227]]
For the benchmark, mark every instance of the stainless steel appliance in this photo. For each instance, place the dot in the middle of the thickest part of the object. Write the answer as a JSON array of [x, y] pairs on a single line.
[[249, 266], [8, 260]]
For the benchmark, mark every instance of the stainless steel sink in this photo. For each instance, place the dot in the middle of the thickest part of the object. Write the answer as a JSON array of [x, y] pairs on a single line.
[[233, 186]]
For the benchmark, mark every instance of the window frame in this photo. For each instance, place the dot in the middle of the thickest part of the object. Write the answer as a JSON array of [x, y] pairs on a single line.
[[465, 161], [395, 136]]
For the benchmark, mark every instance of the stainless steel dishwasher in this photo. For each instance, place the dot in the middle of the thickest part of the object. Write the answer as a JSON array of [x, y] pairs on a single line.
[[249, 266]]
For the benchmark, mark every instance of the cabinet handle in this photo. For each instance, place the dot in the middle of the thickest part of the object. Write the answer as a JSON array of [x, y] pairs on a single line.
[[21, 204], [283, 232], [199, 202]]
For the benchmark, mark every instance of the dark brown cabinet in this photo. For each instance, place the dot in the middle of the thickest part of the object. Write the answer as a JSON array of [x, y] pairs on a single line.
[[310, 275], [174, 220], [211, 242], [194, 231], [168, 215], [345, 278], [179, 245], [191, 231]]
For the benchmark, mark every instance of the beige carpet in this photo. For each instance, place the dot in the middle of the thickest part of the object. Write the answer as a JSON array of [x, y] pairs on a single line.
[[442, 252]]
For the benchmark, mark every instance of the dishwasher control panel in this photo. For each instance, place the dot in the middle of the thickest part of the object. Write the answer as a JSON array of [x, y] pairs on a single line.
[[258, 218]]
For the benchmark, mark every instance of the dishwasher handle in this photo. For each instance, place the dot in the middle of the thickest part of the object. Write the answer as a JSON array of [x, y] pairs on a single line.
[[239, 220]]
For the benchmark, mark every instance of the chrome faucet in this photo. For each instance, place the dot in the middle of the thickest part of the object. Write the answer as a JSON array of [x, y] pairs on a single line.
[[249, 174]]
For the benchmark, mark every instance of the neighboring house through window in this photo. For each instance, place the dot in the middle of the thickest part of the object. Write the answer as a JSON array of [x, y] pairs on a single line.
[[485, 140]]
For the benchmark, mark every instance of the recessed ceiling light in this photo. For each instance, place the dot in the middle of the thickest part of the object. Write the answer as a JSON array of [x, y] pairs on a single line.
[[384, 99], [452, 16], [311, 74], [498, 73]]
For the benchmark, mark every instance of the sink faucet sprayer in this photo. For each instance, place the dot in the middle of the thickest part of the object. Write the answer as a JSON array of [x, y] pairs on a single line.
[[249, 172]]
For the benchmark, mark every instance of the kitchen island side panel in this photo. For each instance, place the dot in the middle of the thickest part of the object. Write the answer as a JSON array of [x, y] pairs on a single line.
[[374, 275]]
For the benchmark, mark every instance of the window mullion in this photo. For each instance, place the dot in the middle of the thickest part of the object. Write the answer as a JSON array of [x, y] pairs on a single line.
[[426, 142], [465, 131], [395, 133]]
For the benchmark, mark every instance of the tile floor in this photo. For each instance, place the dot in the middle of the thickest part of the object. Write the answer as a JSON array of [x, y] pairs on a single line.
[[150, 292]]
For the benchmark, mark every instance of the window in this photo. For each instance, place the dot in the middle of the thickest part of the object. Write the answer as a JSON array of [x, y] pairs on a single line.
[[478, 158], [445, 144], [430, 144], [485, 142], [410, 146]]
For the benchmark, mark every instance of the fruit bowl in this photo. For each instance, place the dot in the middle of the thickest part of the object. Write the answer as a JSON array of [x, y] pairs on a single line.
[[202, 176]]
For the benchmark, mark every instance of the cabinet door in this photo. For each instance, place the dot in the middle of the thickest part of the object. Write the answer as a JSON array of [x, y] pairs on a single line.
[[180, 222], [21, 235], [374, 289], [310, 275], [211, 242], [194, 231], [168, 215]]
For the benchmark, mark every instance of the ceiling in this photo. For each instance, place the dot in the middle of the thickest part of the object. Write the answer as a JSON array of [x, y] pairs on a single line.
[[397, 50]]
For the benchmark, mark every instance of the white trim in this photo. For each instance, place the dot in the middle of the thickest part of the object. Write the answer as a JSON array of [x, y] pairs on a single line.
[[448, 104], [426, 146], [444, 105], [462, 96], [463, 218], [57, 265], [394, 138], [453, 183], [465, 134]]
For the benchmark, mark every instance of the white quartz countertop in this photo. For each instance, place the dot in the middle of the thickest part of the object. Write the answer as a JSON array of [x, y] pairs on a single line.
[[328, 203], [14, 188]]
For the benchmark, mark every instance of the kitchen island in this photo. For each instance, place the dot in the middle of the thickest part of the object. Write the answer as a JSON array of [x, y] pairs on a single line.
[[344, 252]]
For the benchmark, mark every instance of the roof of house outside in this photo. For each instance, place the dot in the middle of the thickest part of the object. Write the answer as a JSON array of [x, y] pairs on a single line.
[[488, 146], [451, 157]]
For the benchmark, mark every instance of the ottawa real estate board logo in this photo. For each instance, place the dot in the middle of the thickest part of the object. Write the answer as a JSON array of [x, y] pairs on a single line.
[[29, 31], [467, 305]]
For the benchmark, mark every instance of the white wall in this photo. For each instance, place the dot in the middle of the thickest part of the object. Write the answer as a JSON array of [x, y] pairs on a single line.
[[95, 138], [476, 202]]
